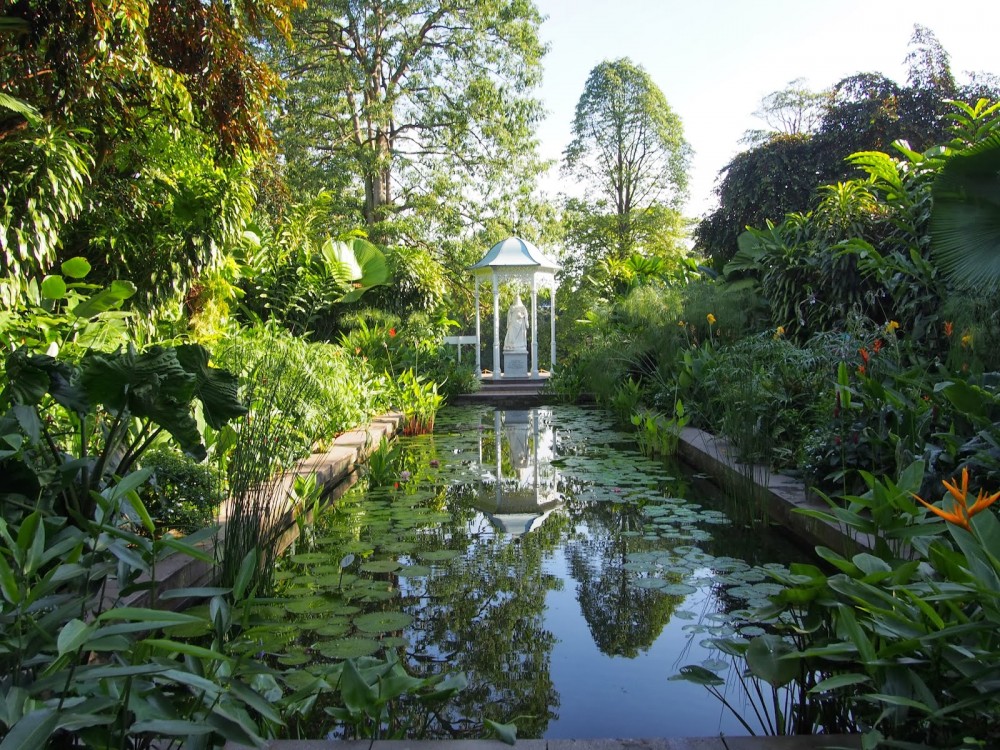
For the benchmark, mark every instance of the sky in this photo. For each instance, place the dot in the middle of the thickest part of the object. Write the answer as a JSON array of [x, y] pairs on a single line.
[[715, 60]]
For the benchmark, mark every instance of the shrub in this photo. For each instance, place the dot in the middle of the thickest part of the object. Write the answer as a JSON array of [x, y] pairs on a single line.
[[181, 494]]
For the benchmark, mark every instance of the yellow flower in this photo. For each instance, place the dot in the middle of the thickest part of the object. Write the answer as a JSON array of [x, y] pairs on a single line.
[[891, 326], [711, 319], [961, 512], [779, 332], [681, 324], [967, 340]]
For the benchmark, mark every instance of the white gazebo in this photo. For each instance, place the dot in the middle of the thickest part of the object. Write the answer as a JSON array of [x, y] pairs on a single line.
[[518, 261]]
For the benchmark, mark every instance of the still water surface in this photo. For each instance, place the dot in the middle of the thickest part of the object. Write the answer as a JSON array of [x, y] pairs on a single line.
[[537, 552]]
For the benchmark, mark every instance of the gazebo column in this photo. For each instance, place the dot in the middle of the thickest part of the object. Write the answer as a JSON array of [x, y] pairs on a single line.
[[496, 326], [552, 323], [534, 328], [479, 364]]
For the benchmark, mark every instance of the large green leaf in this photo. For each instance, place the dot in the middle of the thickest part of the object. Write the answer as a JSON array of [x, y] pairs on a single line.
[[217, 389], [106, 299], [31, 731], [31, 376], [767, 658], [965, 218], [151, 385], [365, 265]]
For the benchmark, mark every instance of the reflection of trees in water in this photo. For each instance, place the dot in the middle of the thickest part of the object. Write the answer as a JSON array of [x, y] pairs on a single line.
[[623, 618], [484, 617]]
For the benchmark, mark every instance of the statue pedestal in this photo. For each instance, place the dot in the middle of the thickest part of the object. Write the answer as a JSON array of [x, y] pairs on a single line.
[[515, 364]]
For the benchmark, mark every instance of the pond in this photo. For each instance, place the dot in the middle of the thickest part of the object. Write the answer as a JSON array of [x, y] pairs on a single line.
[[540, 554]]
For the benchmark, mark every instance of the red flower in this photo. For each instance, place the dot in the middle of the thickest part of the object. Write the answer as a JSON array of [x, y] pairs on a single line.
[[861, 369], [877, 346], [392, 332], [949, 328], [864, 355]]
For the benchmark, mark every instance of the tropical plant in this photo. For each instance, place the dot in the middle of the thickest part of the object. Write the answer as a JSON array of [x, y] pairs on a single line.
[[419, 401]]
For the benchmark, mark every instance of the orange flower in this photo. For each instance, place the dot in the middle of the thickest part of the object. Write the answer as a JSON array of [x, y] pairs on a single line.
[[864, 355], [961, 512], [861, 370], [949, 328], [392, 332], [877, 346]]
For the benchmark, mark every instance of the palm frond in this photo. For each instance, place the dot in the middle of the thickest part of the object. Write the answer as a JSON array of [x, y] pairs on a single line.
[[965, 219]]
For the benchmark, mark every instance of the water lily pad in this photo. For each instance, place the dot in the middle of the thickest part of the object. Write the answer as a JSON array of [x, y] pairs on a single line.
[[334, 628], [439, 555], [382, 622], [380, 566], [347, 648], [415, 571], [650, 583], [716, 665], [310, 558], [294, 658], [310, 605], [678, 589]]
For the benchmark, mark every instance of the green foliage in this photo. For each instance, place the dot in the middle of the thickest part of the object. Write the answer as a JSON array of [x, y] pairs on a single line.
[[371, 691], [78, 416], [628, 146], [419, 401], [863, 112], [297, 394], [383, 464], [414, 103], [180, 495], [301, 277], [964, 227], [760, 393], [131, 145]]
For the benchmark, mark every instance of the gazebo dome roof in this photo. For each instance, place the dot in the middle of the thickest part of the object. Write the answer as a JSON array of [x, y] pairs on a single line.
[[514, 253]]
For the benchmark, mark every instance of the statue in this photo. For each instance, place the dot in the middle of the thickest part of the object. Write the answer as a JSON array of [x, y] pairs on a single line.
[[516, 339]]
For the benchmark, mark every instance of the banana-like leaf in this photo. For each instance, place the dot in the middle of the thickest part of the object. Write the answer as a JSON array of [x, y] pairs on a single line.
[[365, 265], [24, 109], [965, 218]]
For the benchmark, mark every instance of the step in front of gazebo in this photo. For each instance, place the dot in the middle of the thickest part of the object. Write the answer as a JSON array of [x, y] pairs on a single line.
[[507, 392]]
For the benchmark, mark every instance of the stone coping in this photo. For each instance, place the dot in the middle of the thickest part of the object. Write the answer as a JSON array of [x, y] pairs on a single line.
[[336, 472], [781, 495], [722, 742]]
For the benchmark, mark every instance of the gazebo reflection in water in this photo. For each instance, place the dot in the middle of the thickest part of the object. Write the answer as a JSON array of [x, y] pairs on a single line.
[[518, 485]]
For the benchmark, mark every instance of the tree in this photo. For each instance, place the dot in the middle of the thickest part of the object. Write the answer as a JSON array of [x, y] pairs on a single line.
[[793, 110], [864, 112], [629, 147], [128, 136], [422, 108]]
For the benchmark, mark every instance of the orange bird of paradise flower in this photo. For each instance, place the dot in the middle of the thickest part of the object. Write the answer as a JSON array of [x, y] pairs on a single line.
[[961, 511]]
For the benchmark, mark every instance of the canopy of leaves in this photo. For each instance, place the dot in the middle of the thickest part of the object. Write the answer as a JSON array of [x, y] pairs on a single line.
[[863, 112], [411, 111], [628, 148], [126, 138]]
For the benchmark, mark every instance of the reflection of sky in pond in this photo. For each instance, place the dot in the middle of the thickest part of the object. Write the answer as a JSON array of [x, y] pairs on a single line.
[[574, 577]]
